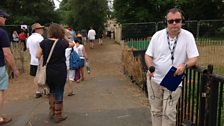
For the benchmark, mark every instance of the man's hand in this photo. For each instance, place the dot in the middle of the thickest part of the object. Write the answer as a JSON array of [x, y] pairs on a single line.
[[180, 69], [150, 74], [16, 73]]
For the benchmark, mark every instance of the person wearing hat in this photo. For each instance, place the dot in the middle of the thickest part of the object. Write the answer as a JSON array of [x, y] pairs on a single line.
[[5, 55], [33, 42]]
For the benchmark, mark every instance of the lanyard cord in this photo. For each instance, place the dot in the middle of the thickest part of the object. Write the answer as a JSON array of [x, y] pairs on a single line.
[[174, 46]]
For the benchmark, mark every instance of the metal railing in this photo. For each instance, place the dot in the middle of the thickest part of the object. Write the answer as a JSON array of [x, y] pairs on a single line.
[[200, 29], [201, 102]]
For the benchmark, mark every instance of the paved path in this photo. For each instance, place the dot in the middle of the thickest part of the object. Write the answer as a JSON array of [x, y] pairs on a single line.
[[105, 98]]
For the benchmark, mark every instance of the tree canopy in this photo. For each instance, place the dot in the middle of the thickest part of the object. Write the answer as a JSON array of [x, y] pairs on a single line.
[[30, 11], [126, 11], [81, 14]]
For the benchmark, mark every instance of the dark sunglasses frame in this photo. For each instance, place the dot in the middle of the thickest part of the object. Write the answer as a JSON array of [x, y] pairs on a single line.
[[174, 20], [3, 16]]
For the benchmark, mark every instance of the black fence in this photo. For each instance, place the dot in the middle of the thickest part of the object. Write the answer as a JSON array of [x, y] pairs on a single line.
[[200, 29], [201, 102], [138, 30]]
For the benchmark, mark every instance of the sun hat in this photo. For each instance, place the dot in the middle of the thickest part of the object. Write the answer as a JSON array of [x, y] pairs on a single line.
[[36, 26]]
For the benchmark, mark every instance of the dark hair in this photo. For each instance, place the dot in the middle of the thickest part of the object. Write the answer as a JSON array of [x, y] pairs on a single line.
[[56, 31], [174, 10], [78, 40]]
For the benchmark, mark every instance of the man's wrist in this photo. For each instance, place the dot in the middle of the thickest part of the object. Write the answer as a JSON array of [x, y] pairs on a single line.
[[185, 65]]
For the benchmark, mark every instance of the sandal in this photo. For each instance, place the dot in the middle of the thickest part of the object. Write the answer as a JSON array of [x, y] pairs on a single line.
[[78, 81], [5, 120], [70, 94]]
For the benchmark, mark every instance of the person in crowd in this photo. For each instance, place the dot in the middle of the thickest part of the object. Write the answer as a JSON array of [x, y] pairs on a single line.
[[84, 36], [72, 33], [70, 73], [79, 35], [56, 72], [15, 36], [22, 39], [91, 36], [80, 49], [101, 38], [25, 31], [33, 42], [112, 33], [5, 55], [172, 46]]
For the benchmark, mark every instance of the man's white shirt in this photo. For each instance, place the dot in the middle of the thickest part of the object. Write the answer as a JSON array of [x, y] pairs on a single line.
[[33, 43]]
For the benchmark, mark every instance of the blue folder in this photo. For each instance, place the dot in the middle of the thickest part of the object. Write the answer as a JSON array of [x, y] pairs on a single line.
[[170, 81]]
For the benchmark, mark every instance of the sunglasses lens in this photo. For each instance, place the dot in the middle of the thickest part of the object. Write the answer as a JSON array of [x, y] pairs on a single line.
[[174, 20], [177, 20], [170, 21], [3, 16]]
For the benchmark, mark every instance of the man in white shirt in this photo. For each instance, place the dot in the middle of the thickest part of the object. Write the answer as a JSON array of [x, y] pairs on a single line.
[[33, 44], [91, 37], [172, 46]]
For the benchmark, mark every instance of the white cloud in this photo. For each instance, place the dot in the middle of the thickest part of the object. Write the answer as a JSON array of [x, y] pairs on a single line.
[[57, 2]]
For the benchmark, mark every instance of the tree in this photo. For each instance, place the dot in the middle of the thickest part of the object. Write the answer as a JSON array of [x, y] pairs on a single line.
[[204, 9], [65, 12], [28, 12], [90, 13], [81, 14], [129, 11]]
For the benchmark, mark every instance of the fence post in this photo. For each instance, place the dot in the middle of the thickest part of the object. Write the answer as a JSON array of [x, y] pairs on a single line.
[[202, 113], [198, 29], [213, 99]]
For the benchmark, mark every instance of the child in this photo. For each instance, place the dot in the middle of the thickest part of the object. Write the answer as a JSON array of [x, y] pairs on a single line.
[[80, 49]]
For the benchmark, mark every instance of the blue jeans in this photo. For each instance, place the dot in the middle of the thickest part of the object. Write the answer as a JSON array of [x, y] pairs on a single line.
[[56, 79], [57, 91]]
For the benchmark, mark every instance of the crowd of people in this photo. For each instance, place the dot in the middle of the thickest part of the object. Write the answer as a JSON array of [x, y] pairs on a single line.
[[58, 70]]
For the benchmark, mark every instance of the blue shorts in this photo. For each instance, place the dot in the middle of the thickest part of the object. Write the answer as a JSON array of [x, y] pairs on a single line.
[[4, 78]]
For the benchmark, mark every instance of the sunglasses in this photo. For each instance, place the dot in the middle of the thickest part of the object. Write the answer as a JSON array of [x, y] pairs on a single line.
[[174, 20], [3, 17]]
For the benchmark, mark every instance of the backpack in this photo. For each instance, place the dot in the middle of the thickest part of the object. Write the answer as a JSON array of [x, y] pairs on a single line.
[[74, 61]]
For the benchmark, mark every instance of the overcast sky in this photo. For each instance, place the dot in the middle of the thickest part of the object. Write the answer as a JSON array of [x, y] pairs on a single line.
[[57, 3]]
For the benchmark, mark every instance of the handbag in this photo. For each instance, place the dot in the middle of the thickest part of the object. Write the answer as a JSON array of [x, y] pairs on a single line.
[[40, 77]]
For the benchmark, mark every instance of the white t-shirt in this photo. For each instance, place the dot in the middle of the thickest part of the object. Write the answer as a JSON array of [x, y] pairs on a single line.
[[79, 50], [91, 34], [67, 56], [33, 44], [159, 49]]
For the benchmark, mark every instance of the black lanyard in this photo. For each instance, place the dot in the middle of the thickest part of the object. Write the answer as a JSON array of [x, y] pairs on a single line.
[[174, 46]]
